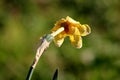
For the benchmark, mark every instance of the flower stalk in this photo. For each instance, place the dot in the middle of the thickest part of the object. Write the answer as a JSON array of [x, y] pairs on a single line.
[[46, 40], [66, 27]]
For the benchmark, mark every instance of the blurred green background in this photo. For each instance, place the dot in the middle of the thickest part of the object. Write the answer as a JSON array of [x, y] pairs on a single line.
[[23, 22]]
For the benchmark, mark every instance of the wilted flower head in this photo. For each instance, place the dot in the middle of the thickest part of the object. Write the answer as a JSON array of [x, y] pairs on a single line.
[[73, 29]]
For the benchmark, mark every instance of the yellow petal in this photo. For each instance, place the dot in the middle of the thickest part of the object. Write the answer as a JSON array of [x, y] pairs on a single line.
[[76, 40], [73, 31], [76, 32], [59, 39], [58, 42], [86, 30], [58, 24], [70, 20]]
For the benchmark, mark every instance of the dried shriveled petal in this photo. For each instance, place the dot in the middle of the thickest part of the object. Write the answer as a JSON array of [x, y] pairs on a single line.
[[76, 41], [59, 39], [86, 30]]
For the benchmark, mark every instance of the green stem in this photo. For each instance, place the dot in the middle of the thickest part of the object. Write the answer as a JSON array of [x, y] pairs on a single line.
[[30, 73], [55, 76]]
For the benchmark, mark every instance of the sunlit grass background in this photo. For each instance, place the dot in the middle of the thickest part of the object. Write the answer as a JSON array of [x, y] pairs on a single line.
[[23, 22]]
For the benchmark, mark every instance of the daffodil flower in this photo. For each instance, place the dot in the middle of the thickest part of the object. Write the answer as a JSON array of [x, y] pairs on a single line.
[[73, 29], [63, 28]]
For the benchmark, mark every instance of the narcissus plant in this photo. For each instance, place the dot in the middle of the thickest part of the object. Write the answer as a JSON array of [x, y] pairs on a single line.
[[66, 27]]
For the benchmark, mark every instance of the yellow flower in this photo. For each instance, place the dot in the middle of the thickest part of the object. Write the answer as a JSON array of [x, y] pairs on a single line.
[[73, 29]]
